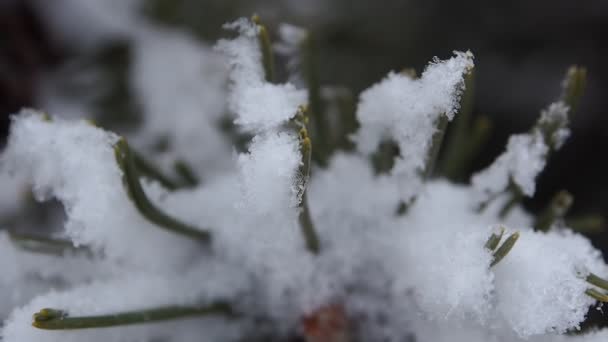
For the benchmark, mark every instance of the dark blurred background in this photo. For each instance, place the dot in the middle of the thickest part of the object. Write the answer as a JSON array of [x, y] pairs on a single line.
[[522, 50]]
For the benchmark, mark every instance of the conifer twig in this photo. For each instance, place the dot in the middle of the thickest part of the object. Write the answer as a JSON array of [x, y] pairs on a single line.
[[597, 295], [588, 224], [555, 210], [306, 224], [188, 176], [265, 48], [148, 169], [52, 319], [504, 249], [573, 87], [457, 153], [143, 204], [315, 104], [494, 239], [515, 197], [42, 244], [437, 140], [597, 281]]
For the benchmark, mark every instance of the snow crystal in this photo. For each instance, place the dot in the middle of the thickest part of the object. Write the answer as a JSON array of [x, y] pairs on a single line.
[[417, 255], [538, 286], [244, 53], [266, 105], [435, 267], [406, 110], [348, 195], [556, 115], [258, 105], [75, 162], [268, 173], [442, 257], [269, 179], [525, 156], [522, 161]]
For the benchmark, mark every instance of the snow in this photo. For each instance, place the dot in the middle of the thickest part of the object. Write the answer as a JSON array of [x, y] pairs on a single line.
[[538, 285], [425, 274], [268, 174], [180, 85], [259, 105], [525, 156], [20, 268], [522, 161], [74, 162], [407, 110], [290, 45], [556, 115]]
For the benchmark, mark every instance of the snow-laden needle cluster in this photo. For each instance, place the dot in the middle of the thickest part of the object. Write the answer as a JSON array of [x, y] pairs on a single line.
[[274, 240]]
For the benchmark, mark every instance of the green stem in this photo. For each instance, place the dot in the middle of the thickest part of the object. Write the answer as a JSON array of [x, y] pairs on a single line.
[[347, 120], [574, 87], [597, 295], [187, 175], [308, 228], [383, 159], [515, 197], [457, 147], [556, 210], [51, 319], [240, 139], [597, 281], [574, 84], [265, 48], [433, 153], [146, 168], [547, 126], [46, 245], [587, 224], [494, 239], [482, 127], [403, 207], [485, 204], [504, 249], [306, 224], [316, 110], [126, 162]]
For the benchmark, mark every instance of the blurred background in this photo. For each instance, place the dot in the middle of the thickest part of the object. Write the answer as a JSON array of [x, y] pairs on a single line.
[[522, 50]]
